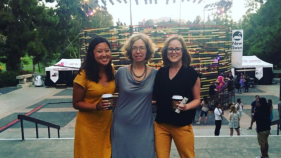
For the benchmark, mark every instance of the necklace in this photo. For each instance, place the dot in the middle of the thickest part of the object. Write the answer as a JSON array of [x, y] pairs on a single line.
[[144, 72]]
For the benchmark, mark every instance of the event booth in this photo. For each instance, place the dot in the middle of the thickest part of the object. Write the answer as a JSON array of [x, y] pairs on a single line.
[[62, 72], [260, 70]]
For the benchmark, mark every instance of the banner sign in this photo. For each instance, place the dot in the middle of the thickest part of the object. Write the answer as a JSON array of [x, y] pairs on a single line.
[[54, 75], [259, 72], [237, 48]]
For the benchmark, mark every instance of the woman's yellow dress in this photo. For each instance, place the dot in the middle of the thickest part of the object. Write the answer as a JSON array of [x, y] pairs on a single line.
[[92, 129]]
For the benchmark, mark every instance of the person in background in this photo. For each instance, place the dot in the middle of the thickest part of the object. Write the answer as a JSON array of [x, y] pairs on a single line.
[[212, 92], [253, 107], [279, 110], [234, 119], [239, 107], [242, 77], [204, 110], [229, 76], [218, 118], [95, 78], [132, 131], [177, 77], [271, 109], [262, 117], [246, 83]]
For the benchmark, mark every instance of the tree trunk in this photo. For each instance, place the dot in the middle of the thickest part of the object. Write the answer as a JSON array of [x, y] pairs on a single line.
[[33, 65], [39, 67], [13, 63]]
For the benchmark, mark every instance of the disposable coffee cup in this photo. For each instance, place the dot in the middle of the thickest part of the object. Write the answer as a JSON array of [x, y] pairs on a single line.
[[109, 98], [176, 99]]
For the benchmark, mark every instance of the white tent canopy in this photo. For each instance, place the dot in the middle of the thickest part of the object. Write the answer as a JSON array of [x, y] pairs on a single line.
[[253, 61], [65, 65], [69, 65]]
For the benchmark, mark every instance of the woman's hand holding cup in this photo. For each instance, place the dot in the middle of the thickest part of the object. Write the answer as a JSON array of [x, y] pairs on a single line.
[[106, 102], [103, 105]]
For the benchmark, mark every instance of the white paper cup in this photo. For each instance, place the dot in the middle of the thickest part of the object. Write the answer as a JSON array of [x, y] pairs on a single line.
[[176, 99], [108, 97]]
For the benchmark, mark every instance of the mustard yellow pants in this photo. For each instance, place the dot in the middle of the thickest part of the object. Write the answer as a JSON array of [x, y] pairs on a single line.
[[182, 135]]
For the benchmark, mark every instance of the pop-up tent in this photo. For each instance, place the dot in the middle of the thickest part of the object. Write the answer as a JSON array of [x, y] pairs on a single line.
[[255, 67], [62, 72]]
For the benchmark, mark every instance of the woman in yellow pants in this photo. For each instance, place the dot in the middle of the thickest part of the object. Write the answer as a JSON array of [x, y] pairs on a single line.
[[175, 78]]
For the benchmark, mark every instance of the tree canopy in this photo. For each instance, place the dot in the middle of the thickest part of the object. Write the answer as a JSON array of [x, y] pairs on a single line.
[[28, 27], [262, 32]]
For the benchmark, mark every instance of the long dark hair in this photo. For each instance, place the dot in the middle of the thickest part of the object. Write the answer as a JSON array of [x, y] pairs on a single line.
[[206, 101], [91, 66]]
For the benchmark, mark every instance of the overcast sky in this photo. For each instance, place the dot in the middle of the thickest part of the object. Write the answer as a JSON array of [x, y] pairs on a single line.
[[189, 10]]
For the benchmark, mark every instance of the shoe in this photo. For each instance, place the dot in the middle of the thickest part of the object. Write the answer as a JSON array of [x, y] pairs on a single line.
[[249, 128], [261, 156], [197, 123]]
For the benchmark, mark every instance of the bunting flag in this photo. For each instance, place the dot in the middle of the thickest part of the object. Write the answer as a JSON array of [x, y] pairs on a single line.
[[54, 75]]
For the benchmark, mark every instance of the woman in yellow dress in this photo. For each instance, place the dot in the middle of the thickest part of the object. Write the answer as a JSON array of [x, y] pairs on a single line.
[[93, 122]]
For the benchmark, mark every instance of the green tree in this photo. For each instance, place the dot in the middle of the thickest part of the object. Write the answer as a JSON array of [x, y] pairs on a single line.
[[171, 22], [74, 17], [19, 22], [197, 20], [262, 32], [149, 22]]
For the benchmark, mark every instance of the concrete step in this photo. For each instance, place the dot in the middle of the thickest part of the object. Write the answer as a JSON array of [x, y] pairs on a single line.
[[205, 147]]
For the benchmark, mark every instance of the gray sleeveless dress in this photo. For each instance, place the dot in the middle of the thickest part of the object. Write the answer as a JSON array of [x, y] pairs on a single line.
[[132, 132]]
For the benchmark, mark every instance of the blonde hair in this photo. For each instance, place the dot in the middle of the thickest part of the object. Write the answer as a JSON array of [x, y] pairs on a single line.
[[150, 46], [186, 58], [233, 109]]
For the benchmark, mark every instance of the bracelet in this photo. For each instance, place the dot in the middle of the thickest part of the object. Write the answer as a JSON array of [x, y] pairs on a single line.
[[97, 108]]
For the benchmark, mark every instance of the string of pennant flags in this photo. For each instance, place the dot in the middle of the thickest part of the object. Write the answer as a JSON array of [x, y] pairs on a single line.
[[89, 9]]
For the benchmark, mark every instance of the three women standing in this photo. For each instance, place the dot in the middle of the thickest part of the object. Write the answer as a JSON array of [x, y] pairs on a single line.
[[95, 77], [175, 78], [132, 131]]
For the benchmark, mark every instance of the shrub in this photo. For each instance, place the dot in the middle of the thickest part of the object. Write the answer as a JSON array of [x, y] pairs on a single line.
[[8, 78]]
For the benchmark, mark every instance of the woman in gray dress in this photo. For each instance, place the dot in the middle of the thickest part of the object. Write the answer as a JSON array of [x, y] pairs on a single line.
[[132, 131]]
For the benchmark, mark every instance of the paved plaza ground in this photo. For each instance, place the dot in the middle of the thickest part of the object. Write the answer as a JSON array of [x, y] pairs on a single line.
[[57, 109]]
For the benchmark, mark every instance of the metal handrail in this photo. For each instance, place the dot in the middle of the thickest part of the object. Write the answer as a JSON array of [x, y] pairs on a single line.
[[276, 122], [37, 121]]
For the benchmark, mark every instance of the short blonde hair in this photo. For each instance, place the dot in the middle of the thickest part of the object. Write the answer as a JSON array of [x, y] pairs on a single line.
[[150, 46], [186, 58], [233, 109]]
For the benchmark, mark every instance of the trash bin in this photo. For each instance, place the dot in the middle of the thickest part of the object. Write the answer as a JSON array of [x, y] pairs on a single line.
[[38, 81]]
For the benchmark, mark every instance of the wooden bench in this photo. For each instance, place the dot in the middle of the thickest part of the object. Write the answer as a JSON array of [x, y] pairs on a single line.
[[25, 80], [61, 86]]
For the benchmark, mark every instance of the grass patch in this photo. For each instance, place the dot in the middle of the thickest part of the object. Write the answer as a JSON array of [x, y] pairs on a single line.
[[27, 65]]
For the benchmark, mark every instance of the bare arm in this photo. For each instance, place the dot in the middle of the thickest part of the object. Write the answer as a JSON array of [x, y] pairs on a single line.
[[79, 104], [196, 94]]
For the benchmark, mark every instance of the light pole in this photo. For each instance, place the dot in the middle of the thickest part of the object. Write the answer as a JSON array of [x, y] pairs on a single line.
[[131, 13], [180, 14]]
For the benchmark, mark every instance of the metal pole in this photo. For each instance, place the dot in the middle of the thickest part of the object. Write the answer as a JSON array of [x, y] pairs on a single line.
[[22, 132], [36, 126], [49, 132], [58, 133], [180, 14], [131, 13], [280, 90]]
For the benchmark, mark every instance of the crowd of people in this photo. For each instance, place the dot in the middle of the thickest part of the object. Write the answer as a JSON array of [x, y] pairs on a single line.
[[131, 130]]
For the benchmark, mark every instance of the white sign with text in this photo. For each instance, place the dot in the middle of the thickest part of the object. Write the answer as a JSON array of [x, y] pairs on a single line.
[[237, 48]]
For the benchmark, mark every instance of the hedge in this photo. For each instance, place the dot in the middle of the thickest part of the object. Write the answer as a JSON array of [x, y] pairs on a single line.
[[8, 78]]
